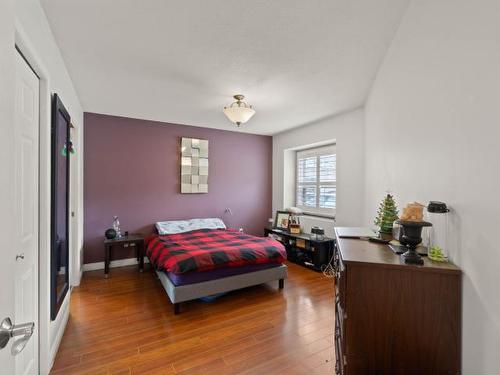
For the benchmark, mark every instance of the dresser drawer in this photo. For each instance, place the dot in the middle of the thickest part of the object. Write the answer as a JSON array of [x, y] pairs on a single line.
[[340, 280], [339, 358], [339, 324]]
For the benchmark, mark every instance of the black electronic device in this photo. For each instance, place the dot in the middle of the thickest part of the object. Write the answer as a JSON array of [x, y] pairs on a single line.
[[110, 234]]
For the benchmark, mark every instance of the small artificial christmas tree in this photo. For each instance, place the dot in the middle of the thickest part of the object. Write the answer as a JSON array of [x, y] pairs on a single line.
[[386, 214]]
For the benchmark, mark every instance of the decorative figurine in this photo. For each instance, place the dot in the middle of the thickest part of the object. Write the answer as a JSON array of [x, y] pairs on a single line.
[[116, 227], [413, 212]]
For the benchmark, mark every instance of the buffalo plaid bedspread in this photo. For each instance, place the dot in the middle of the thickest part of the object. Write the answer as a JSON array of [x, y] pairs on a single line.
[[206, 249]]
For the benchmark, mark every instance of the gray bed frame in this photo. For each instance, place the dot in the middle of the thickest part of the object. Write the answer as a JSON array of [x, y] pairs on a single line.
[[183, 293]]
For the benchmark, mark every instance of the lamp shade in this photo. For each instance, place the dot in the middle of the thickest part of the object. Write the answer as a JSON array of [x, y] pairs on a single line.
[[239, 112]]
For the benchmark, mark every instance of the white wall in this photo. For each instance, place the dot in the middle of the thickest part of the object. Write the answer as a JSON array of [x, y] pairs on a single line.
[[347, 130], [35, 39], [433, 132]]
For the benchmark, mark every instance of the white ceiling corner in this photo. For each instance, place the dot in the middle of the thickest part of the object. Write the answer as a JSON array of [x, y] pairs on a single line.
[[181, 61]]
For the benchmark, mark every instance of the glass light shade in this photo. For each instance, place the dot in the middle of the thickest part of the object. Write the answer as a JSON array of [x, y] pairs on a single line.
[[239, 114]]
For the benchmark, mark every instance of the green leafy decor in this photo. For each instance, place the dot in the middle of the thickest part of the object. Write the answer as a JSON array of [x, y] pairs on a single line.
[[386, 214], [435, 253]]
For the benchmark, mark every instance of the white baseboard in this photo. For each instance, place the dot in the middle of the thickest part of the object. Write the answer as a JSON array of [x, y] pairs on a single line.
[[59, 331], [113, 264], [78, 278]]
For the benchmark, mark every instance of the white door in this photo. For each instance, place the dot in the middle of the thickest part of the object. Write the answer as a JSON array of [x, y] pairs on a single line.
[[7, 252], [26, 211]]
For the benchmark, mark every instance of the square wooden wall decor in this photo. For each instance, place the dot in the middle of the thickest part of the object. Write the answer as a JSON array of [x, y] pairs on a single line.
[[194, 165]]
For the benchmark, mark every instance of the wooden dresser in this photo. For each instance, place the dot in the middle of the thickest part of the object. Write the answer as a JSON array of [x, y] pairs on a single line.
[[392, 318]]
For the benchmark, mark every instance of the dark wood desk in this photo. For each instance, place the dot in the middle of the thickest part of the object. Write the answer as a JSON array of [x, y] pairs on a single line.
[[394, 318], [132, 239], [314, 253]]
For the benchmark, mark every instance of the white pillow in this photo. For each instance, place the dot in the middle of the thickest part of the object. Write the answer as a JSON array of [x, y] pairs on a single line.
[[181, 226]]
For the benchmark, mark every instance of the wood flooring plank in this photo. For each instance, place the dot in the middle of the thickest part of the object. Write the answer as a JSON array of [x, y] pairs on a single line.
[[125, 325]]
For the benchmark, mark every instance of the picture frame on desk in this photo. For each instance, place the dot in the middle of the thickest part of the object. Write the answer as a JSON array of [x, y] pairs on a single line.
[[281, 220]]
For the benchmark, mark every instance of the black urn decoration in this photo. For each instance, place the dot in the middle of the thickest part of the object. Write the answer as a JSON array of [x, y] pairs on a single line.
[[110, 234], [411, 236]]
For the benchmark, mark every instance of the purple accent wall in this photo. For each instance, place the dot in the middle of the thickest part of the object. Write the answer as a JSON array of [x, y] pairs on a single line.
[[132, 169]]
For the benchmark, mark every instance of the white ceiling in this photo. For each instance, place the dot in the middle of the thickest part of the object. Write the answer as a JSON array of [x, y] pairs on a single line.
[[181, 61]]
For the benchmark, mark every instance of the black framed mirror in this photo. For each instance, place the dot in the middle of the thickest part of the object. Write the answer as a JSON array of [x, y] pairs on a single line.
[[60, 184]]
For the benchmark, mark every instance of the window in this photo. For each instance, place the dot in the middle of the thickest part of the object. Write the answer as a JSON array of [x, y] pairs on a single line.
[[316, 185]]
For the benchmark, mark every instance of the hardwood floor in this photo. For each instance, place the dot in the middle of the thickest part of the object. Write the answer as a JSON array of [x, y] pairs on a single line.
[[125, 325]]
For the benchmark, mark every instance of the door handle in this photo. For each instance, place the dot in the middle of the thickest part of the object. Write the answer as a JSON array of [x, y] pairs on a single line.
[[9, 330]]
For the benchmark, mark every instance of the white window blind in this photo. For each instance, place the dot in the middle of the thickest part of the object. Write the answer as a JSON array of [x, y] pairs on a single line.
[[316, 185]]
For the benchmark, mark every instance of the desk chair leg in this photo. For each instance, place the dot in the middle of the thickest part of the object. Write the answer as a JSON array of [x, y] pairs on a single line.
[[281, 283]]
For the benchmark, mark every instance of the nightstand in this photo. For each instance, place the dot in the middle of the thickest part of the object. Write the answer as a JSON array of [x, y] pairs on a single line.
[[132, 240]]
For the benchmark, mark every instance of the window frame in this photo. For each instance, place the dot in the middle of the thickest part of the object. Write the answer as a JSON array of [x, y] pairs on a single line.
[[316, 152]]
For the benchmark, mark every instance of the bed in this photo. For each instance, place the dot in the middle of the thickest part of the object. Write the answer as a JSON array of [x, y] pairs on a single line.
[[201, 257]]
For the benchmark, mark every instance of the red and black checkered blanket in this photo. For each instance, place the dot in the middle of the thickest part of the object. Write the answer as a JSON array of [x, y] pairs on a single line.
[[206, 249]]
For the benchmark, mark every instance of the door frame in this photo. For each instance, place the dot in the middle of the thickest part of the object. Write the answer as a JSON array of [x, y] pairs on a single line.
[[47, 349]]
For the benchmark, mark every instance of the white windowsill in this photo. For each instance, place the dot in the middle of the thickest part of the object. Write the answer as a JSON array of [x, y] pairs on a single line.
[[319, 215]]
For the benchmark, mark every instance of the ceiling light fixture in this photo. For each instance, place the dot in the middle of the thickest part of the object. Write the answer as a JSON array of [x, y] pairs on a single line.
[[239, 112]]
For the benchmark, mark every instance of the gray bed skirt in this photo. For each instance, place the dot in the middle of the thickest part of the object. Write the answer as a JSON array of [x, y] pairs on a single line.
[[189, 292]]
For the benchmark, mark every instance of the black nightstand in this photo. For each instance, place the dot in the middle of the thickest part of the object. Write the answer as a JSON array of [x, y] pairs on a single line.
[[136, 239]]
